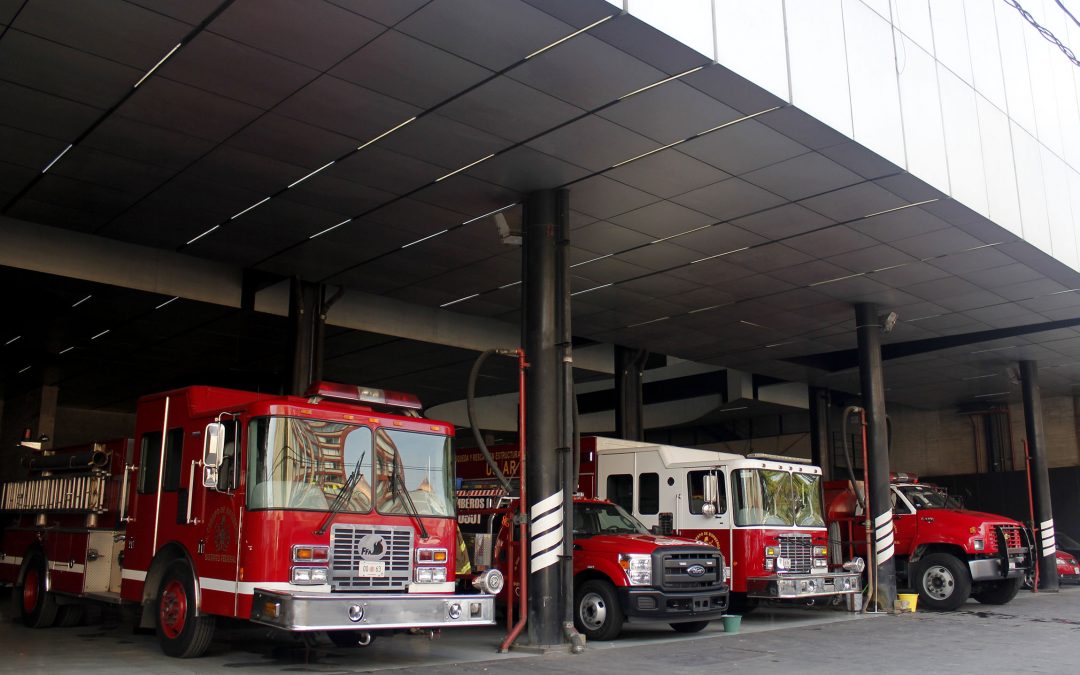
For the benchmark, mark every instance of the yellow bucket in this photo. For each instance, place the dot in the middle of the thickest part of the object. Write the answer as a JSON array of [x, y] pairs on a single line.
[[906, 602]]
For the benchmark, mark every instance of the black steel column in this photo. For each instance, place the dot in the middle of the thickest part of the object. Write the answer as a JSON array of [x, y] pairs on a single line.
[[308, 306], [540, 313], [1043, 526], [872, 383], [629, 372], [819, 431]]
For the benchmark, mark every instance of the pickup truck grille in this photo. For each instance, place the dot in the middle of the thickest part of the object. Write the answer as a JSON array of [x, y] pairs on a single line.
[[672, 568], [352, 546], [798, 549]]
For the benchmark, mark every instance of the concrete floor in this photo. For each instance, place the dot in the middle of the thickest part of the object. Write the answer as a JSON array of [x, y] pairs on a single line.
[[1034, 633]]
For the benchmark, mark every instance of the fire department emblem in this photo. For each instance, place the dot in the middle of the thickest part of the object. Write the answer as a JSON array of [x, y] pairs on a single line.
[[372, 547], [708, 538], [221, 528]]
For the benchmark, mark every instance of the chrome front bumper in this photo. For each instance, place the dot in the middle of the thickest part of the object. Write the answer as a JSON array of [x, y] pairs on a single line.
[[368, 611], [989, 569], [790, 586]]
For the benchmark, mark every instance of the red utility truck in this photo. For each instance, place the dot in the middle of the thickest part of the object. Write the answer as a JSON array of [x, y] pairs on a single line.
[[332, 512], [945, 552], [764, 514], [621, 570]]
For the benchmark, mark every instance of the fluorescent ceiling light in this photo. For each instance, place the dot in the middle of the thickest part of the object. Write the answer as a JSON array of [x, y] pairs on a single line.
[[57, 159], [489, 213], [301, 180], [657, 84], [157, 65], [12, 340], [100, 334], [65, 351], [467, 166], [24, 370], [570, 36], [591, 260], [332, 227], [202, 235], [996, 393], [430, 236], [454, 302], [590, 290], [258, 203], [386, 133], [994, 349], [900, 208], [830, 281], [645, 323], [82, 301], [173, 299]]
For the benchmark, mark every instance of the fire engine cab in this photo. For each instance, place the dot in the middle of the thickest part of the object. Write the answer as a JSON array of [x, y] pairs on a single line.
[[331, 512]]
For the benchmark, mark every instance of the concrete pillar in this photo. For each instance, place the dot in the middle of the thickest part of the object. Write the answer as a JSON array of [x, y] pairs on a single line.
[[546, 501], [1045, 544], [872, 384], [820, 405], [629, 374], [307, 320]]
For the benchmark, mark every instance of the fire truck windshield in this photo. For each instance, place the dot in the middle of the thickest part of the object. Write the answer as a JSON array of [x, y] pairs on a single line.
[[306, 464], [781, 498]]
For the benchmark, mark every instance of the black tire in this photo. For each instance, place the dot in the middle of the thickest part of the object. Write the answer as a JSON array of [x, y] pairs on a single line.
[[180, 633], [690, 626], [999, 592], [31, 599], [942, 581], [350, 638], [597, 613], [70, 615], [739, 603]]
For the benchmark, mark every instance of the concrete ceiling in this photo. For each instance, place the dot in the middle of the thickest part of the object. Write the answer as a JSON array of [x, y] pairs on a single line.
[[362, 143]]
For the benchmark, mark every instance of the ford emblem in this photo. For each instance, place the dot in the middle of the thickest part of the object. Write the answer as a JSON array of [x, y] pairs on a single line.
[[695, 570]]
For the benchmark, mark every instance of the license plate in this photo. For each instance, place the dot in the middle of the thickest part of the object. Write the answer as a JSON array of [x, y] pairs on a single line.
[[783, 563], [1077, 570], [373, 569]]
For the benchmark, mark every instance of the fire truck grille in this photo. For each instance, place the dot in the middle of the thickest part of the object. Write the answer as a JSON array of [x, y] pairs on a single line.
[[798, 549], [365, 558], [678, 570]]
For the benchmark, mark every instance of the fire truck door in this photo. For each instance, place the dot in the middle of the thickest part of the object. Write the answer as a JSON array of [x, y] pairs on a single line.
[[905, 521], [219, 521]]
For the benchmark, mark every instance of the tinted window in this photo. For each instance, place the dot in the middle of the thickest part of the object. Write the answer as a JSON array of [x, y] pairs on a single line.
[[150, 461], [649, 493], [695, 487], [620, 489]]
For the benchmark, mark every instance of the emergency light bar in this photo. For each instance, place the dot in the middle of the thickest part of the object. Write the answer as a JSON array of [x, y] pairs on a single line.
[[903, 477], [352, 392], [777, 458]]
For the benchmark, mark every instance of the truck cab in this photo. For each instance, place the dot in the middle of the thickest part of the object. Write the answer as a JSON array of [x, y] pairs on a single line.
[[622, 571], [945, 552]]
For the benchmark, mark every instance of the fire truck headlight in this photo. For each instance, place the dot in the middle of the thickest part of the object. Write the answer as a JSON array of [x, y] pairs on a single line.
[[979, 544], [821, 562], [638, 568], [309, 575], [430, 575]]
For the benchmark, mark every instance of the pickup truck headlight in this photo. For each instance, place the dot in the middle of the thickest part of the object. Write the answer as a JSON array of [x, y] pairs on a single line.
[[979, 544], [638, 568]]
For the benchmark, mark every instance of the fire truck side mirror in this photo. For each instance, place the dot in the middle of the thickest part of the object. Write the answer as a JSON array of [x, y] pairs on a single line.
[[213, 444], [710, 489]]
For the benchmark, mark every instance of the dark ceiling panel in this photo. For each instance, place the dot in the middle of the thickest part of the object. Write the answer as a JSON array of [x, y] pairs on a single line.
[[288, 28], [634, 37], [667, 173], [27, 149], [146, 143], [244, 169], [525, 170], [601, 197], [44, 114], [783, 221], [802, 176], [487, 107], [409, 70], [182, 108], [670, 112], [663, 219], [731, 198], [593, 143], [336, 194], [339, 106], [384, 169]]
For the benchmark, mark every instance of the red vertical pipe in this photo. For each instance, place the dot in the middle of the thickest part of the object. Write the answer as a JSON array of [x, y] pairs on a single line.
[[523, 572], [1031, 511]]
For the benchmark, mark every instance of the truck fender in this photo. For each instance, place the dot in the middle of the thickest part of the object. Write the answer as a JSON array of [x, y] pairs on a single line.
[[166, 556], [606, 570], [945, 544]]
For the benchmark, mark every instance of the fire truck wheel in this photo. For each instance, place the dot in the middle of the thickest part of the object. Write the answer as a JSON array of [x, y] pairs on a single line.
[[598, 614], [998, 592], [690, 626], [943, 582], [350, 638], [32, 601], [180, 632]]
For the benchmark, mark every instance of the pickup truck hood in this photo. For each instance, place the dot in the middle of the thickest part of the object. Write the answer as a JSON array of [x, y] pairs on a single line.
[[632, 543]]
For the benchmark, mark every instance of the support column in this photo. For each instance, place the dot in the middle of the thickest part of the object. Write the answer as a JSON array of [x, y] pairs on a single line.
[[541, 312], [307, 319], [629, 374], [872, 384], [820, 405], [1045, 544]]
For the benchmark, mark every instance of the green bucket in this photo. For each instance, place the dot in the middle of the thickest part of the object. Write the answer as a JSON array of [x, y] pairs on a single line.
[[731, 622]]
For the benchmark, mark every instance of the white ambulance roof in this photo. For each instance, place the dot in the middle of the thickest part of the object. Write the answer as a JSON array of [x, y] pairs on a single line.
[[673, 456]]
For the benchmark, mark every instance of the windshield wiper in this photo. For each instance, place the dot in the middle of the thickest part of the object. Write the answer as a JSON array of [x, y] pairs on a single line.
[[343, 495], [410, 508]]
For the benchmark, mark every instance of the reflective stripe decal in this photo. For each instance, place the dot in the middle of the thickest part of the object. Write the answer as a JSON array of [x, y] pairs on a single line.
[[1047, 524], [885, 553], [133, 575], [1050, 550], [546, 532], [11, 560], [880, 521]]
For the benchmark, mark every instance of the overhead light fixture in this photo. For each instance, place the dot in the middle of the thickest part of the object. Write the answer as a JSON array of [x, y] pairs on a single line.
[[646, 323], [467, 166], [12, 340], [173, 299], [258, 203], [590, 290], [332, 227], [24, 370], [993, 349], [192, 241], [100, 334], [423, 239], [888, 322], [386, 133], [65, 351], [157, 65], [900, 208], [996, 393], [454, 302], [558, 42], [57, 158], [82, 301]]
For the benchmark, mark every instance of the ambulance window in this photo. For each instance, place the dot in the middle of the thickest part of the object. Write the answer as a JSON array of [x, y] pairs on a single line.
[[149, 464], [620, 489], [649, 494], [695, 485]]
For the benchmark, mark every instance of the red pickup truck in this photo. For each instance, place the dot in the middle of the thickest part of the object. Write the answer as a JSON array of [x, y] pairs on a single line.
[[945, 552], [621, 571]]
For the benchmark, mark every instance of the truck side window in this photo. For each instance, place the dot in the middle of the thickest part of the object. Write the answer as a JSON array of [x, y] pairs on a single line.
[[695, 488], [620, 489], [649, 494], [227, 479], [149, 461]]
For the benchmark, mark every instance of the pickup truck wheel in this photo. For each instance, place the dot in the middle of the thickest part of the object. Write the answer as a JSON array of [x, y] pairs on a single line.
[[998, 592], [33, 602], [598, 614], [690, 626], [943, 582], [180, 632]]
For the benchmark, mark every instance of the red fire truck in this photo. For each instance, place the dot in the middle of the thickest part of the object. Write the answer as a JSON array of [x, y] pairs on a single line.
[[944, 551], [764, 514], [332, 512]]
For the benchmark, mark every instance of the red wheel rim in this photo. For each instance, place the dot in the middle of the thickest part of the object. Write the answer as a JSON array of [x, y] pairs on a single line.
[[30, 590], [173, 610]]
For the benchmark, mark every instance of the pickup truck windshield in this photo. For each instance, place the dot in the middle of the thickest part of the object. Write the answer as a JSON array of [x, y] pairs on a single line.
[[928, 497], [597, 518], [305, 464], [782, 498]]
